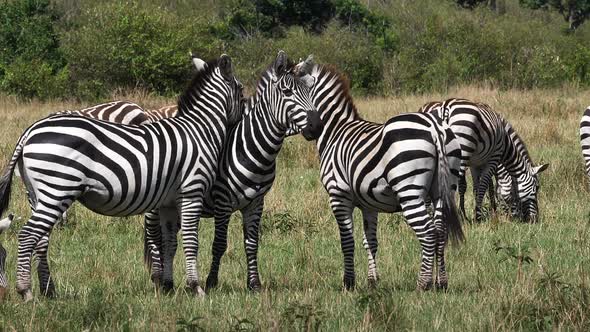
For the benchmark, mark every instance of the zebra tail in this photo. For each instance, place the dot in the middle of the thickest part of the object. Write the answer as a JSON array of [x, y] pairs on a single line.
[[450, 215], [6, 177]]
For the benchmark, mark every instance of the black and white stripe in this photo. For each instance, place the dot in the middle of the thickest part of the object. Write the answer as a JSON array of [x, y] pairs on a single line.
[[248, 165], [488, 140], [122, 170], [585, 139], [391, 167]]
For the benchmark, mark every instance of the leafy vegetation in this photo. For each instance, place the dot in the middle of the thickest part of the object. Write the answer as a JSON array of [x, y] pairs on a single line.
[[87, 49]]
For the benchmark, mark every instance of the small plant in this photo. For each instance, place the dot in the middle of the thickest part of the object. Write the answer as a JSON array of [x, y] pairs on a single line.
[[521, 254], [302, 317], [380, 309], [242, 325], [189, 325]]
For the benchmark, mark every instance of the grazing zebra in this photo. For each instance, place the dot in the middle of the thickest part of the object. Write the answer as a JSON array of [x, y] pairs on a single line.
[[585, 138], [4, 224], [389, 167], [247, 168], [122, 170], [488, 140]]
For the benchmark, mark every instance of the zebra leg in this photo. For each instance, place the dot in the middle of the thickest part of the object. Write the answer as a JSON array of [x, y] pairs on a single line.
[[441, 242], [418, 219], [46, 284], [219, 247], [371, 244], [38, 226], [190, 214], [492, 194], [153, 246], [251, 224], [343, 212], [462, 190], [483, 178], [169, 228]]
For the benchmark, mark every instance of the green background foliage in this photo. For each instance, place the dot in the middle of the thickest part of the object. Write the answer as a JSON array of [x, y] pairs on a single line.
[[87, 49]]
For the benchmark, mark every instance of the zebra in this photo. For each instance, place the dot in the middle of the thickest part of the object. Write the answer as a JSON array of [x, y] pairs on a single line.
[[119, 111], [122, 170], [4, 225], [488, 140], [389, 167], [247, 171], [585, 138]]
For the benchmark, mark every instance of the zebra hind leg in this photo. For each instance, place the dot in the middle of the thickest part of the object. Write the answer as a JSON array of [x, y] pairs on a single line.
[[46, 282], [419, 220], [371, 244], [441, 241], [462, 191], [38, 227]]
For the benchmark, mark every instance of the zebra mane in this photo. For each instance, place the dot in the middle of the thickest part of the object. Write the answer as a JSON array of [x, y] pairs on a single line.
[[198, 80], [517, 141], [331, 72]]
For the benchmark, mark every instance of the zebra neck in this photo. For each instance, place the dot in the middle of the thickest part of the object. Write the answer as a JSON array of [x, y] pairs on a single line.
[[259, 131], [336, 115]]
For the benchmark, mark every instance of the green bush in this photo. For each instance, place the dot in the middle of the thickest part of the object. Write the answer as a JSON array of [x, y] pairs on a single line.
[[129, 45], [31, 62]]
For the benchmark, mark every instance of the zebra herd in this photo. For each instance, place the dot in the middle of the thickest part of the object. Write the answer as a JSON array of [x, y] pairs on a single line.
[[215, 153]]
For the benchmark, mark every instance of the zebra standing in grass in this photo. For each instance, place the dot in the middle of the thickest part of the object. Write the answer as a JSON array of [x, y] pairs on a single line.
[[248, 166], [585, 138], [122, 170], [488, 140], [389, 167], [4, 224]]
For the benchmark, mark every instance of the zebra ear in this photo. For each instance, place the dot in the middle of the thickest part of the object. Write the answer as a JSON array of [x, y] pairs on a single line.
[[225, 67], [280, 64], [540, 168], [304, 68]]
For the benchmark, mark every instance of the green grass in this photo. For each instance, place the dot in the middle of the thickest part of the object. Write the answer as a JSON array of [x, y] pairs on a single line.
[[102, 283]]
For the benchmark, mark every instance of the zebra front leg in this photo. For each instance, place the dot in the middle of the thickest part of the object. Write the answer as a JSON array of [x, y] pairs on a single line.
[[420, 221], [46, 284], [343, 212], [219, 247], [441, 242], [371, 244], [153, 246], [190, 214], [169, 227], [481, 182], [251, 223]]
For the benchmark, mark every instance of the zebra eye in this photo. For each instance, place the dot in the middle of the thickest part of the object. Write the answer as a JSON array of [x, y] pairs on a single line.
[[287, 92]]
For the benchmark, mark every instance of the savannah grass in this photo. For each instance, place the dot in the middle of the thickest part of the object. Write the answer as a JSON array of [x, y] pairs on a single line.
[[102, 283]]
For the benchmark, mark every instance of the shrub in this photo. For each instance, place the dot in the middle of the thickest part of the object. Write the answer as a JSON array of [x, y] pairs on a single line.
[[130, 45], [31, 63]]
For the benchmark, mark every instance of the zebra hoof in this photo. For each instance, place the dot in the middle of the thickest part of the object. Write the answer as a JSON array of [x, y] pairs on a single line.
[[254, 286], [48, 290], [26, 294], [196, 289], [167, 286], [442, 286], [211, 283], [424, 286], [349, 283], [373, 282]]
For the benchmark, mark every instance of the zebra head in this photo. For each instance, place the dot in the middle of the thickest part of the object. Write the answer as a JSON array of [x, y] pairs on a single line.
[[528, 189], [290, 92]]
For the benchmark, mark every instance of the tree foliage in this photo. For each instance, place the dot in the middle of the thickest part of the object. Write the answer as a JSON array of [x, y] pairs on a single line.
[[574, 12]]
